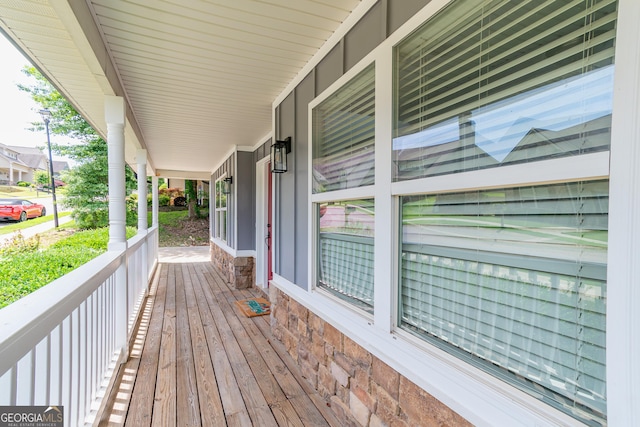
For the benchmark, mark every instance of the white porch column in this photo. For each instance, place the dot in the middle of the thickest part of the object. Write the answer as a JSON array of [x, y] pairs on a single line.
[[115, 118], [141, 160], [19, 175], [10, 173], [155, 202]]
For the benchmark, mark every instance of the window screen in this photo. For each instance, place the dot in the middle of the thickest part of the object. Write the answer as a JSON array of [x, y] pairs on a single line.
[[492, 83], [514, 281], [345, 250]]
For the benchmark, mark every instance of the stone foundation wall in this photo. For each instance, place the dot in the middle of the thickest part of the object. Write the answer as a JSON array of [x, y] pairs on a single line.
[[239, 272], [361, 389]]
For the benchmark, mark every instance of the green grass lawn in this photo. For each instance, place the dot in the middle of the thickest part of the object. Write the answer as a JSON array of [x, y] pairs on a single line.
[[29, 264]]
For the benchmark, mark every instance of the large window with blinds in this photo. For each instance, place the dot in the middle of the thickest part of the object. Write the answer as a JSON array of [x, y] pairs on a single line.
[[514, 281], [343, 136], [494, 83], [511, 279], [343, 140]]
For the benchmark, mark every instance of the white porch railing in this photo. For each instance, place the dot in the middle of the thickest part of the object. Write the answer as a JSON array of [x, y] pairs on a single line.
[[60, 344]]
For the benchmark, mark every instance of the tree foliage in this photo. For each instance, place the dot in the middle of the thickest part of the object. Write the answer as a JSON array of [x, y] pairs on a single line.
[[87, 183]]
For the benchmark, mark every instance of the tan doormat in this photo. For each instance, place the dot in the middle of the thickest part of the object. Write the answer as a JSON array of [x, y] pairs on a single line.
[[252, 307]]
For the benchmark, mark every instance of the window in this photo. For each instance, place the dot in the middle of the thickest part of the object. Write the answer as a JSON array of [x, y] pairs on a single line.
[[503, 83], [221, 211], [343, 159], [511, 279], [343, 136], [345, 250]]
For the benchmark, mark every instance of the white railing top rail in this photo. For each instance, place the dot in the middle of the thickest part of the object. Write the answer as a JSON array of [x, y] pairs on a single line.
[[27, 321]]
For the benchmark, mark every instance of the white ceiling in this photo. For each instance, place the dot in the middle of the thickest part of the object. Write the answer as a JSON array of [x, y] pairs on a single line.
[[199, 76]]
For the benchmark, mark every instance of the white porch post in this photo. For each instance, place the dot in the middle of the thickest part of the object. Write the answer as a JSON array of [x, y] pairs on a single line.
[[115, 118], [141, 160], [10, 173], [155, 202]]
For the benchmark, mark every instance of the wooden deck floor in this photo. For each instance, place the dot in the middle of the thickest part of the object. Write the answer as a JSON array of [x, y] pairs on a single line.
[[198, 362]]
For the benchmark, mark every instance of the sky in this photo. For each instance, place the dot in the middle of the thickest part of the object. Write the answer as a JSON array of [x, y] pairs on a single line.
[[17, 110]]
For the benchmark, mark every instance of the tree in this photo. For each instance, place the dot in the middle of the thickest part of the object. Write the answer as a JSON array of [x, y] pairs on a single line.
[[190, 190], [41, 178], [86, 192]]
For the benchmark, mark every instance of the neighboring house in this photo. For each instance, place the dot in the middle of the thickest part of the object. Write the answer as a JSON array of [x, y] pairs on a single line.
[[456, 238], [14, 166], [22, 162]]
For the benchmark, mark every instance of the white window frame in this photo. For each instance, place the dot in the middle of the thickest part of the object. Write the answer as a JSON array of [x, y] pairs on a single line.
[[479, 397], [217, 210], [365, 192]]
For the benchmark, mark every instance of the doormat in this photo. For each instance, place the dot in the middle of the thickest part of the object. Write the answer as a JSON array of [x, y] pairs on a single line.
[[252, 307]]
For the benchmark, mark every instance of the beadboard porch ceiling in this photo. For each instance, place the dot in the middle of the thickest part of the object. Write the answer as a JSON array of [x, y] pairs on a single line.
[[199, 76]]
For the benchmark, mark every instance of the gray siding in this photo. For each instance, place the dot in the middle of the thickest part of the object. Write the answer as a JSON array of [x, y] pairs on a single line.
[[285, 185], [245, 182], [304, 93], [291, 245]]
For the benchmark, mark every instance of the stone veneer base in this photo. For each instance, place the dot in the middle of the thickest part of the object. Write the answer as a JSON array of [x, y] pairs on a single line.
[[239, 271], [361, 389]]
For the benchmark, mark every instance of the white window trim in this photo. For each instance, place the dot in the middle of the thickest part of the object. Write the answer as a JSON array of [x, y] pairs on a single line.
[[474, 394], [623, 272], [216, 235]]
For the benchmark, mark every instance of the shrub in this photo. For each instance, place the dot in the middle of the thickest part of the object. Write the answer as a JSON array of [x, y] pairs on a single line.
[[87, 218], [23, 184], [164, 200], [149, 199], [19, 245], [180, 201]]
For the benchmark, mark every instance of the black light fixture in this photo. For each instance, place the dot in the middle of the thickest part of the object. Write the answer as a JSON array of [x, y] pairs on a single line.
[[278, 157], [226, 186]]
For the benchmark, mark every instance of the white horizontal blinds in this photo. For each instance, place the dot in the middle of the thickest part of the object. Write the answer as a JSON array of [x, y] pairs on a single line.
[[345, 250], [505, 83], [343, 139], [514, 280]]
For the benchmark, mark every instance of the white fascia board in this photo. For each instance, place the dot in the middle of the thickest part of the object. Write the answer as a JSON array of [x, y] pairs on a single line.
[[355, 16], [231, 251], [177, 174]]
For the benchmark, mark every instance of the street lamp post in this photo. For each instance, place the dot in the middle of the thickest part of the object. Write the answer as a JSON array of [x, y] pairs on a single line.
[[46, 117]]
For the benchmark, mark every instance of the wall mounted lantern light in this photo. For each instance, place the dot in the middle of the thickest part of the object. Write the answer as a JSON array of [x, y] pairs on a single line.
[[278, 156], [226, 185]]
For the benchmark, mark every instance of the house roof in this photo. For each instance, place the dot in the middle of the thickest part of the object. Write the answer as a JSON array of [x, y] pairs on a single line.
[[199, 78]]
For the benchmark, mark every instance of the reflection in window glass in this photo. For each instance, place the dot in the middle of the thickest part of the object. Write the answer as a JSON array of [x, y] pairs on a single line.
[[513, 280], [345, 250], [343, 136], [504, 83]]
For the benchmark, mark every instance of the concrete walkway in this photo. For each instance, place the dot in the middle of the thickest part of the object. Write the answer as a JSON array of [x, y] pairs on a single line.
[[36, 229], [183, 254]]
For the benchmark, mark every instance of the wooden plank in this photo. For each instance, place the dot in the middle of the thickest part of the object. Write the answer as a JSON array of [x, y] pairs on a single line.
[[187, 404], [255, 401], [298, 390], [234, 408], [211, 410], [141, 405], [164, 408]]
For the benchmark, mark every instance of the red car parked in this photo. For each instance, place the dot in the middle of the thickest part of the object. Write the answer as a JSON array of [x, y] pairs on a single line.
[[20, 210]]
